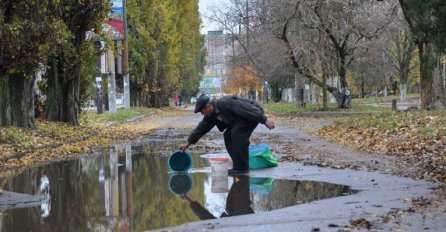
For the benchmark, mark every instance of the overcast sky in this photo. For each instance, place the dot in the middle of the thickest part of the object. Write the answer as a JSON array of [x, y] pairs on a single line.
[[117, 3], [203, 6]]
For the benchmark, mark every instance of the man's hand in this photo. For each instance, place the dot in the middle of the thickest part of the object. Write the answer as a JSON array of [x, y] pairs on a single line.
[[184, 147], [184, 197], [269, 123]]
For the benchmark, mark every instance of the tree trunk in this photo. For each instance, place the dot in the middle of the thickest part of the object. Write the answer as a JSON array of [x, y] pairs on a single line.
[[275, 92], [343, 98], [362, 86], [404, 67], [17, 101], [403, 92], [62, 102], [298, 90], [432, 87], [149, 85], [324, 91]]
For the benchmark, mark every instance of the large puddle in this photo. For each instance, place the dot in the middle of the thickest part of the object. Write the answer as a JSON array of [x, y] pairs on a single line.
[[131, 189]]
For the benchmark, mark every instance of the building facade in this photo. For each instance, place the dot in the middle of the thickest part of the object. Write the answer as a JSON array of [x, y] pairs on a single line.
[[219, 49]]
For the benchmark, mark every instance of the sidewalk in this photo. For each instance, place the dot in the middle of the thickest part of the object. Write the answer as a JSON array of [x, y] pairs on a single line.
[[400, 105]]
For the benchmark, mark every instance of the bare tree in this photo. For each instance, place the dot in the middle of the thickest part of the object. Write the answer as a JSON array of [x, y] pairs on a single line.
[[402, 53], [254, 45], [316, 35], [344, 27]]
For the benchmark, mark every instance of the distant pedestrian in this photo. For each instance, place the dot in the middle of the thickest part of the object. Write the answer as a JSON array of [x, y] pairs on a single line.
[[180, 99], [237, 117], [175, 100]]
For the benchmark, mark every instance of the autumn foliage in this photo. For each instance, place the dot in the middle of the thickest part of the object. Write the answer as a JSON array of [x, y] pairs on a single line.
[[243, 80], [55, 140], [418, 138]]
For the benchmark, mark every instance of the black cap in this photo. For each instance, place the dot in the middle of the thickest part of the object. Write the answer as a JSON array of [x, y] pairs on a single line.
[[201, 102]]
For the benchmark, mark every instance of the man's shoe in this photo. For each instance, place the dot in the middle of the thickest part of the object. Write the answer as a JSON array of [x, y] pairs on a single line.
[[233, 171]]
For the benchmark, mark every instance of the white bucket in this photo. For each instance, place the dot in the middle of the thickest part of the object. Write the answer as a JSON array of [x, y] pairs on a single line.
[[219, 173], [219, 184], [219, 166]]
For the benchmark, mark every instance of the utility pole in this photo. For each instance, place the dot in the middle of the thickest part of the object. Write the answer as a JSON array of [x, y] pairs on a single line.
[[97, 48], [125, 72], [111, 81]]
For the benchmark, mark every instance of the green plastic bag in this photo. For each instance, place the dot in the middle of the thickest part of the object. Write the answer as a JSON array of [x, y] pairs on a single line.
[[260, 156], [262, 185]]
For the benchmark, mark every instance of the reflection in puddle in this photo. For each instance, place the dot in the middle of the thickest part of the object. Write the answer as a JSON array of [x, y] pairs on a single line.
[[131, 189], [238, 201], [252, 194]]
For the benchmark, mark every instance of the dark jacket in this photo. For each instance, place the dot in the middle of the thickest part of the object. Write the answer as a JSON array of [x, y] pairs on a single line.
[[228, 111]]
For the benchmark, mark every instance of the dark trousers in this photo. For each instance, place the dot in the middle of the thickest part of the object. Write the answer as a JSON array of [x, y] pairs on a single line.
[[237, 143], [239, 201]]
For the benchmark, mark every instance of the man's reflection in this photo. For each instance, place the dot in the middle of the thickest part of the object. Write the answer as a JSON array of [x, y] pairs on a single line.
[[237, 203]]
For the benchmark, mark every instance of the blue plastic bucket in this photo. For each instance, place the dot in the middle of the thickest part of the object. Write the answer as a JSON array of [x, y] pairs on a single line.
[[179, 161], [180, 183]]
